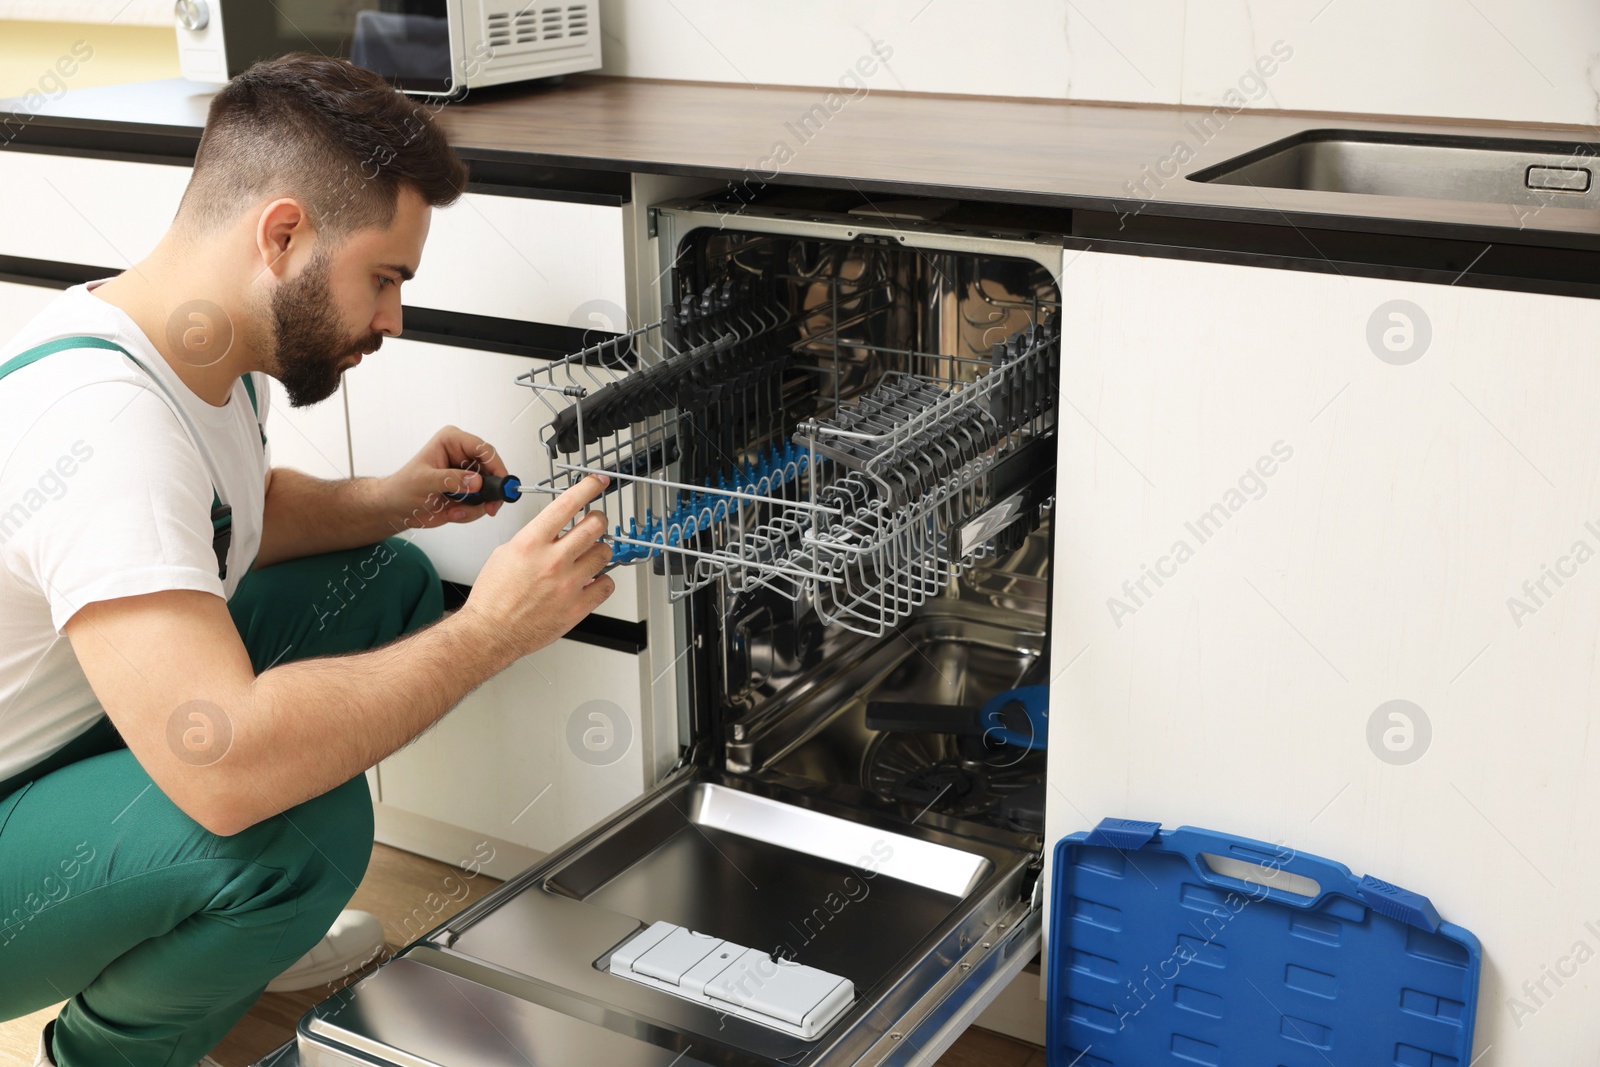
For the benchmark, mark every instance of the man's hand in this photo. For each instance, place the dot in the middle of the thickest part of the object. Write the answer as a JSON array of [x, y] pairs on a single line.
[[306, 515], [536, 586], [415, 493]]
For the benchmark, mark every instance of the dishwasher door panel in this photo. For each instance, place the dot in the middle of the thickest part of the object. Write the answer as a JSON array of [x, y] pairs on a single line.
[[440, 1018], [881, 920]]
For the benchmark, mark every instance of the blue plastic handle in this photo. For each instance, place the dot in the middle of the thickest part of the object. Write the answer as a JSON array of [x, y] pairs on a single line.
[[494, 488], [1035, 703], [1191, 843]]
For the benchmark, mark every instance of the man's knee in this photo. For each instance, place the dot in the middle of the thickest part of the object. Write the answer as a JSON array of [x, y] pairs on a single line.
[[410, 565], [413, 579], [323, 847], [382, 591], [338, 825]]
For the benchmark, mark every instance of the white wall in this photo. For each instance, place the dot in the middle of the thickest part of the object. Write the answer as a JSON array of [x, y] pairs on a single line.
[[1519, 60]]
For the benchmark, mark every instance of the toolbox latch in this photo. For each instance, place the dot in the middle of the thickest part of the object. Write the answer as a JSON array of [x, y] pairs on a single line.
[[1402, 905], [1123, 834]]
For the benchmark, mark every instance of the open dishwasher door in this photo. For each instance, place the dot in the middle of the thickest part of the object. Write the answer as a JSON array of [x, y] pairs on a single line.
[[924, 926], [834, 455]]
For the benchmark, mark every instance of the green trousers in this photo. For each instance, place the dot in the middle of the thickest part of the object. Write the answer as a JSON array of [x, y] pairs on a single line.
[[158, 933]]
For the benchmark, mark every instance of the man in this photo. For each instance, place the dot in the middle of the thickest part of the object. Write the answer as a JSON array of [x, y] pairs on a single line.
[[164, 590]]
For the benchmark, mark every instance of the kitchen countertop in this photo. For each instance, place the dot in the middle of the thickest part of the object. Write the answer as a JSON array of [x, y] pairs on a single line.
[[1049, 153]]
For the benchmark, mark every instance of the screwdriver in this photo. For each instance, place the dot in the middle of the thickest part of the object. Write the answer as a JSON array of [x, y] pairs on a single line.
[[508, 489], [494, 488]]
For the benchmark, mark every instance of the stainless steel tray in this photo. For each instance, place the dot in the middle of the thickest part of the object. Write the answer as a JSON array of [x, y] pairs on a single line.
[[827, 892]]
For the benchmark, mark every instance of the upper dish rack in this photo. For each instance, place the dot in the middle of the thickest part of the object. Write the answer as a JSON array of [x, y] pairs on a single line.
[[865, 508]]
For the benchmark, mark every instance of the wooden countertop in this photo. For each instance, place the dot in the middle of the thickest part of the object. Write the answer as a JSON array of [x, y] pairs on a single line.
[[1122, 159]]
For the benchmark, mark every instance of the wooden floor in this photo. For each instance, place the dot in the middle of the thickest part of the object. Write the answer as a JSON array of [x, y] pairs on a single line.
[[411, 895]]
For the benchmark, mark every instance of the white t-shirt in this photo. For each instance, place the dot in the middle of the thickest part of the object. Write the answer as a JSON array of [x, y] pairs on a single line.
[[103, 495]]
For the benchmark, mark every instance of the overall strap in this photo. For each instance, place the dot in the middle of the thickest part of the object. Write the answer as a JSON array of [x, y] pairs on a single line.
[[38, 352], [221, 514], [250, 391]]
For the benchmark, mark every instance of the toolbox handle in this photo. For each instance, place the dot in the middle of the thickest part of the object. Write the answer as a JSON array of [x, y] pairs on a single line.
[[1329, 877], [1325, 874], [1270, 861], [1194, 845], [1256, 875]]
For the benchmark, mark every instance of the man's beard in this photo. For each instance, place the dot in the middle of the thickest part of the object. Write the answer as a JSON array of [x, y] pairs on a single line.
[[310, 346]]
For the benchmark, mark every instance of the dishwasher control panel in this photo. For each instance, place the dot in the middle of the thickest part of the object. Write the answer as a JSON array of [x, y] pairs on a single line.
[[735, 980]]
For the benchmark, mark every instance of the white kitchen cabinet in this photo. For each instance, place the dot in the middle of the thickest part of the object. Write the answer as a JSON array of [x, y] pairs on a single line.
[[402, 394], [513, 257], [1279, 510], [520, 258], [540, 752], [19, 303], [314, 439], [98, 212]]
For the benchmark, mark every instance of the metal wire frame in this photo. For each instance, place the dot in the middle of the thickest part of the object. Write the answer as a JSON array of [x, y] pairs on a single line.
[[704, 543], [858, 522], [922, 455]]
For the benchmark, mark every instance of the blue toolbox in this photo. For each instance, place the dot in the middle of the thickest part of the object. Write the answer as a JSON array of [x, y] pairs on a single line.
[[1189, 946]]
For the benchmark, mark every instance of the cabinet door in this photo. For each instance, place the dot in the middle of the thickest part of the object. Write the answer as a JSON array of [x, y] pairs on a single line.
[[541, 751], [19, 303], [1325, 576], [404, 393], [313, 439], [100, 212], [520, 258]]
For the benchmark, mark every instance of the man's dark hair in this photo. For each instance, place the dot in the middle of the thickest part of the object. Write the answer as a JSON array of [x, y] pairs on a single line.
[[337, 138]]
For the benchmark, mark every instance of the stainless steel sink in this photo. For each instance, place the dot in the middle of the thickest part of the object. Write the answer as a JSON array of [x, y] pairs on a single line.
[[1495, 171]]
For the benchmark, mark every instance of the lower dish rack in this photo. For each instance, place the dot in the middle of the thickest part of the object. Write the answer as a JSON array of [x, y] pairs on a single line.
[[864, 508]]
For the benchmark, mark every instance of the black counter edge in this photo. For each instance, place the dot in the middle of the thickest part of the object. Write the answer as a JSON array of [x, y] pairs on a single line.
[[602, 631], [1267, 214], [1281, 245], [50, 274], [1471, 257], [514, 337]]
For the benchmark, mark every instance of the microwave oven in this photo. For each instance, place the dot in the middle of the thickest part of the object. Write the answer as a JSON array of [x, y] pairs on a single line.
[[425, 47]]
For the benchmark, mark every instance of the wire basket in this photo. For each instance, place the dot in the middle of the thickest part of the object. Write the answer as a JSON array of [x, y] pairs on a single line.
[[857, 510]]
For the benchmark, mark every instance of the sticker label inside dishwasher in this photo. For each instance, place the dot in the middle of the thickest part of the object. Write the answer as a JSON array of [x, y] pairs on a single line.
[[989, 523], [729, 978]]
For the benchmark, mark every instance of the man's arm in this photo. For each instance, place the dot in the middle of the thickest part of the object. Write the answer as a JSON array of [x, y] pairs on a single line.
[[231, 749], [305, 516]]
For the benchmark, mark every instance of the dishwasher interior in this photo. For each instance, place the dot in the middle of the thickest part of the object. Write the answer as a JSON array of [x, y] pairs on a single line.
[[834, 454]]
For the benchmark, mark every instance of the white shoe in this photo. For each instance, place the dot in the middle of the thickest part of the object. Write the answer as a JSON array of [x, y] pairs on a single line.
[[354, 941], [43, 1058]]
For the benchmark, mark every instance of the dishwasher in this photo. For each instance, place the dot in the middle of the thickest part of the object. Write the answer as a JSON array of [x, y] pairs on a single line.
[[833, 457]]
